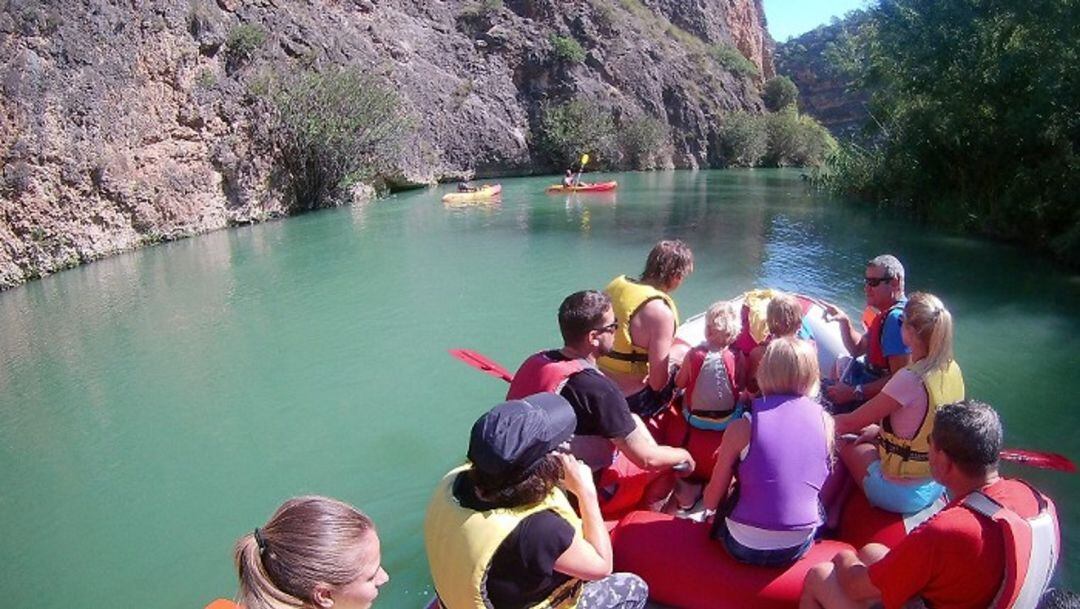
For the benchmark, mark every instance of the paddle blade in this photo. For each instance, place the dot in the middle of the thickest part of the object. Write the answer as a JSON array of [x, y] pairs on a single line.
[[482, 363], [584, 159], [1042, 460]]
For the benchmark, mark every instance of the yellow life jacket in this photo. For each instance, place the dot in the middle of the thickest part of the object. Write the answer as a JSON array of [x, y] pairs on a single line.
[[461, 543], [627, 297], [757, 305], [910, 458]]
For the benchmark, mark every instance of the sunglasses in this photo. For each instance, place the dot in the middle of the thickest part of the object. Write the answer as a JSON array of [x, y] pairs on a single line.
[[611, 327], [876, 281]]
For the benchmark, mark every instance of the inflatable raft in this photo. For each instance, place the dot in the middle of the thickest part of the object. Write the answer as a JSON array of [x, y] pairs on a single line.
[[597, 187]]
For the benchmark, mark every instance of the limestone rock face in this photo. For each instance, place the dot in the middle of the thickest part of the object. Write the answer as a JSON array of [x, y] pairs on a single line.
[[824, 92], [125, 124]]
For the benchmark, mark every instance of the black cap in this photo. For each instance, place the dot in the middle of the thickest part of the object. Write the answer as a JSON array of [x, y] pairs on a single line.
[[511, 437]]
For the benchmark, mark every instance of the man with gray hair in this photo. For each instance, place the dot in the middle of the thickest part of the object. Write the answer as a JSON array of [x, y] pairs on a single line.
[[883, 348], [994, 545]]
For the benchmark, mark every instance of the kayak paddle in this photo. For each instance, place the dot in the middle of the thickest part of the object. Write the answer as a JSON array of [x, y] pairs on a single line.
[[482, 363], [1034, 458], [581, 168]]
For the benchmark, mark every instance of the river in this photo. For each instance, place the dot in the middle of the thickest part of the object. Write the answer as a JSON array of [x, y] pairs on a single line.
[[156, 405]]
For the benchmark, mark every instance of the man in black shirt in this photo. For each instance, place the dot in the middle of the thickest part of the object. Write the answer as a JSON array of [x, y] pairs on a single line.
[[631, 469]]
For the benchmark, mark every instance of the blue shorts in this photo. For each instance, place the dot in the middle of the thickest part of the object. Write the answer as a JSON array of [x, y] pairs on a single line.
[[897, 497]]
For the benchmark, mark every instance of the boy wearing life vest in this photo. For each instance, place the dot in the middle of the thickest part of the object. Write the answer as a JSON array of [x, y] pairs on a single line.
[[784, 316], [711, 377], [648, 318], [882, 346], [994, 545], [631, 469], [499, 531]]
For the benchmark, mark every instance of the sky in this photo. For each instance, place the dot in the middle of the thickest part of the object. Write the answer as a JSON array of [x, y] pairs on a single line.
[[789, 18]]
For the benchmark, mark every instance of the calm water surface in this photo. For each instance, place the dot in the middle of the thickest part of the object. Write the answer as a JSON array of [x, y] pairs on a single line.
[[157, 405]]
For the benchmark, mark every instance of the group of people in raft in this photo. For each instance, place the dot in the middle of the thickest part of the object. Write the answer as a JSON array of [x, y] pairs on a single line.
[[590, 431]]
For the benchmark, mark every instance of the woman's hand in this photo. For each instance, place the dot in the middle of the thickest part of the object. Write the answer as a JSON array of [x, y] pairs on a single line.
[[577, 477]]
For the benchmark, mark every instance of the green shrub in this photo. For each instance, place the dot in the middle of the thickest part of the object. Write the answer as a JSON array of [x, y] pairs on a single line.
[[640, 138], [243, 41], [205, 79], [732, 60], [573, 128], [779, 93], [567, 49], [796, 141], [744, 140], [333, 129]]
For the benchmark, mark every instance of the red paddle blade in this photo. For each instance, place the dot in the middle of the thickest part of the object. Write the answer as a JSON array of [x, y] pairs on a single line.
[[482, 363], [1034, 458]]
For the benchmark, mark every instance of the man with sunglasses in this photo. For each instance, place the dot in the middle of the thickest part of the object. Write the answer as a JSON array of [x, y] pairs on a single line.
[[883, 348], [631, 469]]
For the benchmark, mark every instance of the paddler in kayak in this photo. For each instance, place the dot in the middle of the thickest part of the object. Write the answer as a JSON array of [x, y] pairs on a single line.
[[568, 180], [647, 317], [632, 471], [313, 552], [995, 545], [882, 345], [500, 532]]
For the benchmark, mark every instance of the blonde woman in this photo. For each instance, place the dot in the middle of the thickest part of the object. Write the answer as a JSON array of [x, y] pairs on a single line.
[[313, 553], [783, 453], [890, 458]]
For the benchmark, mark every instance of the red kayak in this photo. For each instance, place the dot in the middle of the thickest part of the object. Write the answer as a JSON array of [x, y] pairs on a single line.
[[596, 187]]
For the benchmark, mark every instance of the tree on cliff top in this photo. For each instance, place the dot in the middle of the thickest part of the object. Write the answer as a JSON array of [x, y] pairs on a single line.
[[333, 129]]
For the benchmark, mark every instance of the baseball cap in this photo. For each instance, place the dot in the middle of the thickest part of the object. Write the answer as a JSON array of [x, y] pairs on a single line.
[[511, 437]]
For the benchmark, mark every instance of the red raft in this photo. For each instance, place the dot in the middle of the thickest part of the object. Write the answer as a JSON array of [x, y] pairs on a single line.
[[686, 569], [595, 187]]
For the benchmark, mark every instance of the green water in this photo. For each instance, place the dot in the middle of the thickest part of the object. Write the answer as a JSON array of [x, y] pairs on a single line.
[[156, 405]]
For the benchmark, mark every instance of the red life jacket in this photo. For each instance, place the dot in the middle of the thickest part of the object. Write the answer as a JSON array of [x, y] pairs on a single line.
[[875, 353], [1032, 547], [695, 358], [542, 373]]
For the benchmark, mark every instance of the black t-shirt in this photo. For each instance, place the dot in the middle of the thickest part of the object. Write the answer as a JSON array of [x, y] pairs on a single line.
[[599, 405], [522, 570]]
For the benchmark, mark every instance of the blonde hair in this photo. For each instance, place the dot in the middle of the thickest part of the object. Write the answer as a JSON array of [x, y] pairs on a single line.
[[789, 366], [308, 540], [724, 320], [932, 324], [784, 315]]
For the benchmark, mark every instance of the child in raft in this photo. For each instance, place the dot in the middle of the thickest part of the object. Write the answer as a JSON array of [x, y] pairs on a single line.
[[783, 453], [784, 318]]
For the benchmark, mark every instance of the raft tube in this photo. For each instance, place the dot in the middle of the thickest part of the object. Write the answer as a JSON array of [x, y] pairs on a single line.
[[597, 187], [686, 569]]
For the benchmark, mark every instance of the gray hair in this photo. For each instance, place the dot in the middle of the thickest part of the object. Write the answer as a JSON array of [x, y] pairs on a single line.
[[890, 264], [969, 432]]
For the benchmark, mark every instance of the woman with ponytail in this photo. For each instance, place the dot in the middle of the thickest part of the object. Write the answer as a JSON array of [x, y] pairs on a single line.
[[889, 459], [313, 553]]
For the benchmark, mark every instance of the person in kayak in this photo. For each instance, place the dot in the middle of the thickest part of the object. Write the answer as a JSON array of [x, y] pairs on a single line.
[[782, 453], [647, 315], [568, 180], [890, 458], [883, 348], [314, 552], [994, 545], [630, 468], [499, 531], [466, 186]]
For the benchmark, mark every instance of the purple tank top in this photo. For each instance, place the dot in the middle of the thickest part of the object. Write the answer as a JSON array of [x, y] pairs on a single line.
[[785, 465]]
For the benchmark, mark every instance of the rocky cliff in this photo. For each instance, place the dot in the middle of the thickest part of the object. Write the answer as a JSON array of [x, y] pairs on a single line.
[[825, 92], [128, 123]]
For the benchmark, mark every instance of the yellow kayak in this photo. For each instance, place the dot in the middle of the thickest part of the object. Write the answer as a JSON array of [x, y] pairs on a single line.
[[484, 193]]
